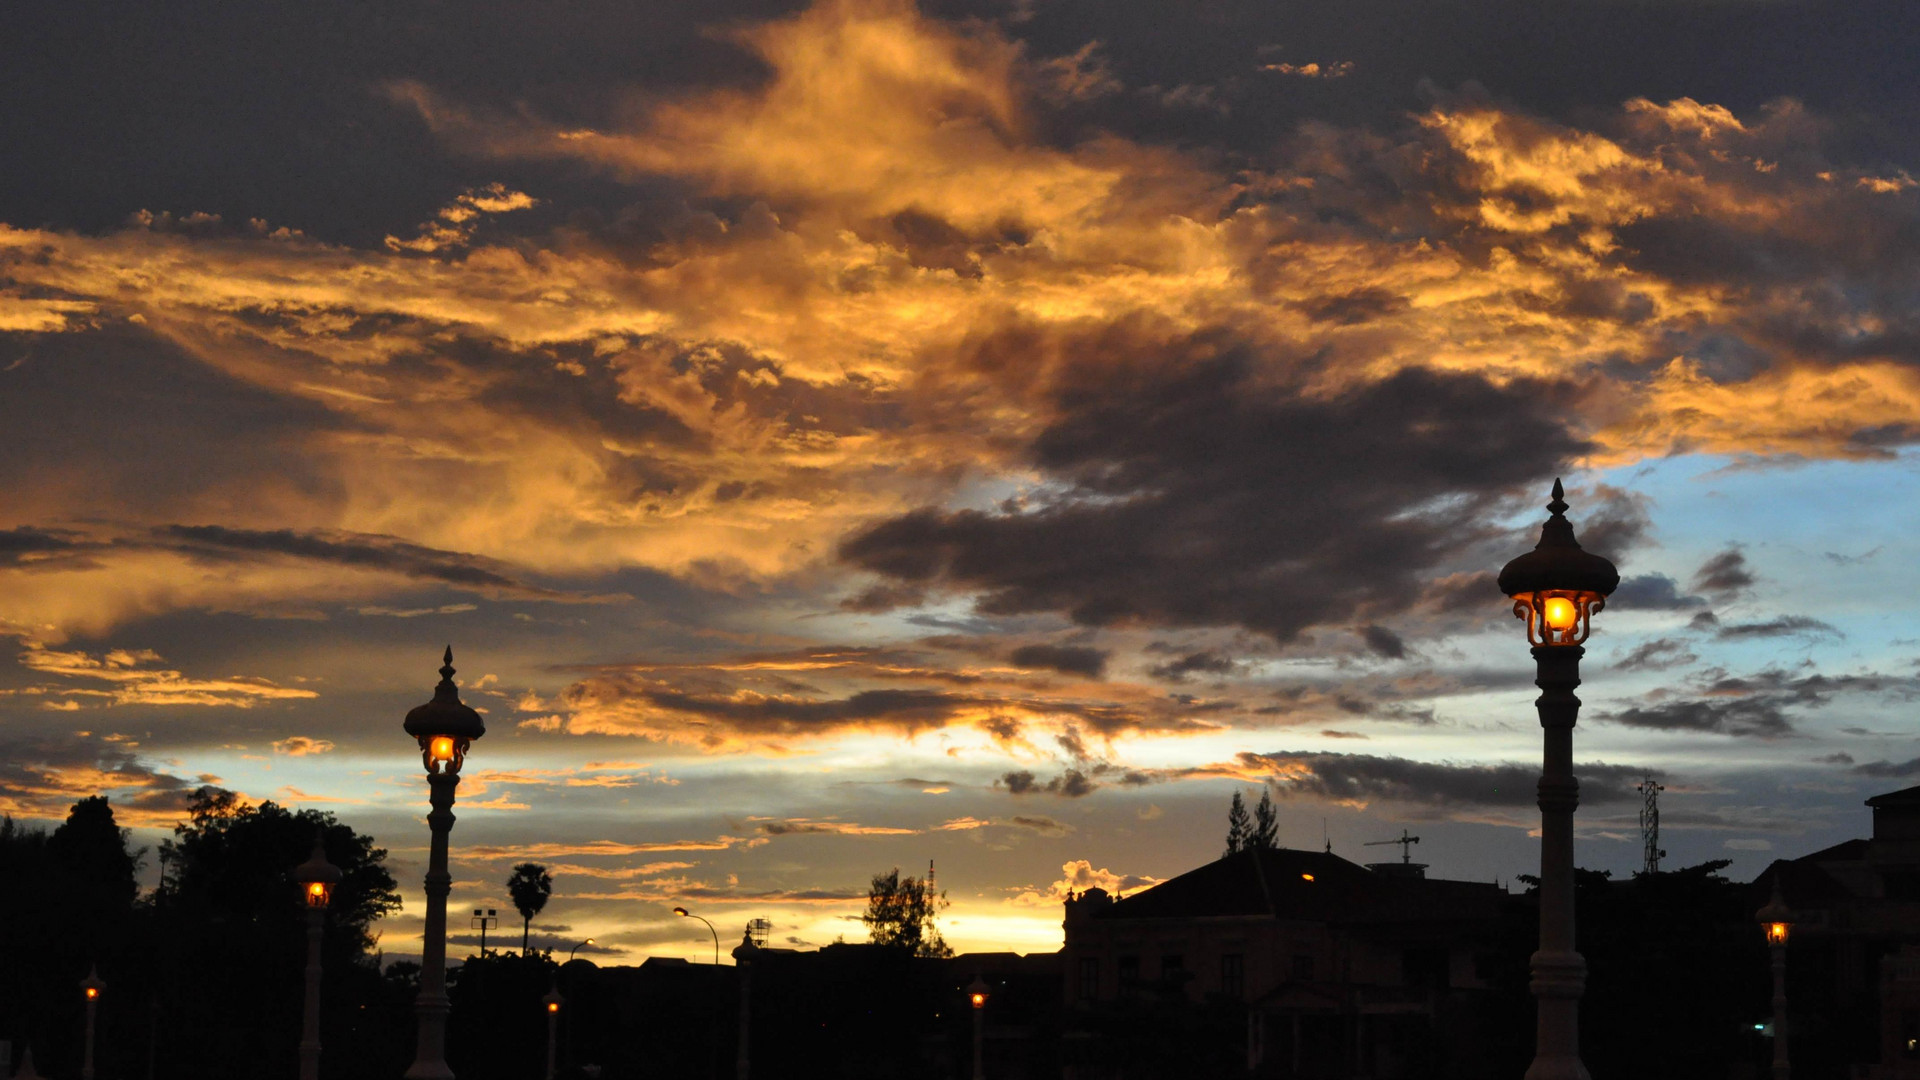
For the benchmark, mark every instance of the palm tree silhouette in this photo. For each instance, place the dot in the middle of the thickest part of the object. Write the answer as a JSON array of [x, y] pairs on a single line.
[[529, 886]]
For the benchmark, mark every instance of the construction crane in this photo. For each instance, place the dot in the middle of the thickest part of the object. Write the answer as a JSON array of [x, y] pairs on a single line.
[[1406, 845], [1650, 824]]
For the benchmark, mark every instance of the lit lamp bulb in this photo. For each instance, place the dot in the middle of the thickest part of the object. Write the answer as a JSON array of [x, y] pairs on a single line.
[[1777, 933], [442, 748], [92, 993], [553, 1006], [979, 1001], [1560, 613]]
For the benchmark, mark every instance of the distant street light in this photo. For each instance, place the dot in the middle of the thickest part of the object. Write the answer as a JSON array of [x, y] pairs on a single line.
[[444, 728], [484, 919], [977, 996], [577, 948], [713, 1024], [90, 986], [1777, 920], [552, 1001], [1558, 588], [317, 877]]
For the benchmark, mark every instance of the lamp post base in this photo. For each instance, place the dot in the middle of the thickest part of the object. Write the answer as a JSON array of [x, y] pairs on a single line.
[[1557, 1068]]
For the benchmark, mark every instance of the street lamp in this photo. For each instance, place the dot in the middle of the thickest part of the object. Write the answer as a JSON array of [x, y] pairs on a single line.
[[977, 996], [685, 914], [552, 1001], [1557, 588], [713, 1023], [577, 948], [90, 986], [1776, 919], [444, 728], [317, 877], [484, 919]]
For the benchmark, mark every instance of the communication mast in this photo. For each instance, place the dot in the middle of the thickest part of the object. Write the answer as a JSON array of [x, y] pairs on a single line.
[[758, 930], [1650, 824]]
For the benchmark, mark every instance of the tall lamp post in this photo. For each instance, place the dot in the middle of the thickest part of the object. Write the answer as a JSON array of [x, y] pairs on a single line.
[[977, 997], [552, 1001], [1557, 588], [90, 986], [713, 1023], [317, 877], [444, 728], [1776, 919]]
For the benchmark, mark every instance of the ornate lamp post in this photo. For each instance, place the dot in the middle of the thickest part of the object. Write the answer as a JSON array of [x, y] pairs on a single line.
[[317, 877], [444, 729], [743, 957], [90, 986], [977, 997], [1776, 919], [1557, 588], [552, 1001]]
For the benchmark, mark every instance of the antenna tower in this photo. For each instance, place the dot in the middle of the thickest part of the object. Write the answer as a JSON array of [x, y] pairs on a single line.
[[1650, 824]]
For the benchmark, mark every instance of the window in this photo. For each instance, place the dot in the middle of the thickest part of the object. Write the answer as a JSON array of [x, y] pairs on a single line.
[[1129, 975], [1233, 979], [1172, 966], [1089, 978], [1303, 968]]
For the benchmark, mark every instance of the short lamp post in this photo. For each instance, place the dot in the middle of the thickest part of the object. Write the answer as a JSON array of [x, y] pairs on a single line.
[[577, 948], [91, 987], [317, 877], [1557, 588], [1777, 920], [977, 997], [552, 1001], [444, 728]]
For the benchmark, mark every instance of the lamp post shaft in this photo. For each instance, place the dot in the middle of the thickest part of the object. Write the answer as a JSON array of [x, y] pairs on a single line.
[[431, 1005], [1781, 1070], [740, 1058], [1559, 973], [86, 1061], [310, 1025], [979, 1043], [553, 1024]]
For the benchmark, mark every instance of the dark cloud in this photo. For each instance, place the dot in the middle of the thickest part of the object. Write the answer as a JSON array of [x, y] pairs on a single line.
[[1368, 777], [27, 546], [1041, 824], [1070, 659], [1759, 717], [1656, 655], [1752, 705], [1383, 642], [1784, 626], [1202, 495], [362, 551], [1840, 758], [1889, 770], [1651, 592], [1725, 573], [1070, 784], [1205, 662]]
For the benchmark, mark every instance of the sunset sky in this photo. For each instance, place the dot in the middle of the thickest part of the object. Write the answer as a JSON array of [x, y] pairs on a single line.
[[836, 436]]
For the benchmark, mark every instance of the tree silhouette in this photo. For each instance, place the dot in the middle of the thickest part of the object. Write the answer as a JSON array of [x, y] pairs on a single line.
[[1237, 825], [529, 887], [900, 914], [1266, 824]]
